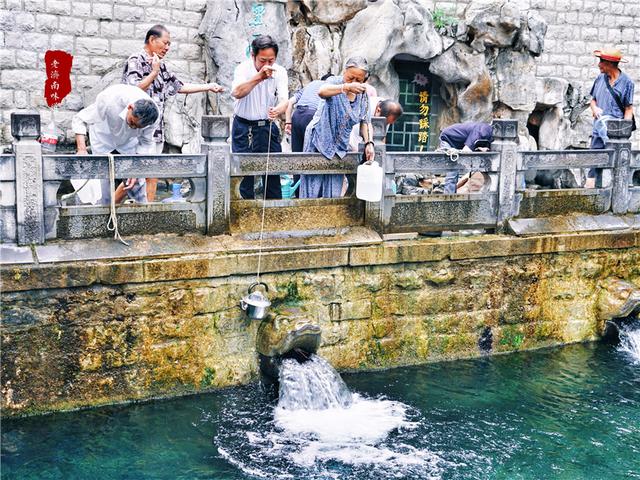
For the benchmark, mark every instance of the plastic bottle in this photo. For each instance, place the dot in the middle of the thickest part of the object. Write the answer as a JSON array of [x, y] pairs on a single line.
[[369, 182], [49, 137], [176, 196]]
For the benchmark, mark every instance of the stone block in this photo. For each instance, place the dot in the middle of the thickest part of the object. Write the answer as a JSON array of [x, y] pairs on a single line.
[[7, 58], [59, 7], [35, 5], [91, 27], [124, 48], [100, 65], [13, 4], [109, 28], [81, 9], [6, 95], [26, 59], [82, 64], [128, 14], [195, 5], [62, 42], [46, 23], [127, 30], [187, 19], [92, 46], [24, 21], [157, 15], [190, 51], [32, 80], [74, 28], [103, 11]]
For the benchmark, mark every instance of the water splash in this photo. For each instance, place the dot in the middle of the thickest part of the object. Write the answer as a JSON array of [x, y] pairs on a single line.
[[312, 385], [321, 430], [630, 342]]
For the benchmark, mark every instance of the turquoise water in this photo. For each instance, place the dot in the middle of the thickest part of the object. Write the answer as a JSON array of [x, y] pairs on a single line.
[[568, 413]]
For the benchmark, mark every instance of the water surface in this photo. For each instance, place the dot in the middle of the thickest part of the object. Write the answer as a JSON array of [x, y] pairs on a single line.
[[568, 413]]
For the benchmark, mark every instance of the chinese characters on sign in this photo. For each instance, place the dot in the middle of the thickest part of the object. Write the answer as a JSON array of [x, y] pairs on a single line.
[[421, 81], [58, 83], [257, 10], [423, 120]]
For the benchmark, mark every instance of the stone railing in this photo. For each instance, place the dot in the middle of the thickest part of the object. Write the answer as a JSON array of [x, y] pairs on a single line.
[[30, 209]]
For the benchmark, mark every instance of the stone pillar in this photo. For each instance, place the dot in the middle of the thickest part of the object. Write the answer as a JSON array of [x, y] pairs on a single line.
[[619, 132], [25, 128], [505, 133], [377, 213], [215, 132]]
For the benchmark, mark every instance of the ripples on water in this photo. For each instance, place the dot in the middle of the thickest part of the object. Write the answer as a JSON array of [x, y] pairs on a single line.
[[570, 413]]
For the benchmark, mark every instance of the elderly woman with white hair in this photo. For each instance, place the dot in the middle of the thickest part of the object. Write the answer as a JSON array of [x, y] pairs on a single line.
[[345, 103]]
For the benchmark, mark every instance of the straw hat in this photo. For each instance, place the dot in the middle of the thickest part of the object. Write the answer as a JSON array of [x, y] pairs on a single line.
[[610, 55]]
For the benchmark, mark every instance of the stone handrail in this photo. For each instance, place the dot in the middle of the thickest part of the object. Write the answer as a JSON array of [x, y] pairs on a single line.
[[29, 184]]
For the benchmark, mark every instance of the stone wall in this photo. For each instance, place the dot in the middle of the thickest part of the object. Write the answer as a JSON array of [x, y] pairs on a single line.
[[98, 34], [575, 29], [96, 332]]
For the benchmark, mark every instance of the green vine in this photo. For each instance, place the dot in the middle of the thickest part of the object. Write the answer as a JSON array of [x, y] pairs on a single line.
[[442, 19]]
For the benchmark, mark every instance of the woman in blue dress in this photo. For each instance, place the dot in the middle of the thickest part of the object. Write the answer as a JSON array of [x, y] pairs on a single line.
[[344, 104]]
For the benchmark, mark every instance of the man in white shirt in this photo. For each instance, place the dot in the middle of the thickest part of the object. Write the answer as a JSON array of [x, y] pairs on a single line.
[[120, 120], [261, 95]]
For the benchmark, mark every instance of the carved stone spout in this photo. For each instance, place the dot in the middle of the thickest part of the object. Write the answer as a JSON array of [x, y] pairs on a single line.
[[288, 334]]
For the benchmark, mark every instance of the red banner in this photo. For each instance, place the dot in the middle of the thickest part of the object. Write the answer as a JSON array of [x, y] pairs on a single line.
[[58, 84]]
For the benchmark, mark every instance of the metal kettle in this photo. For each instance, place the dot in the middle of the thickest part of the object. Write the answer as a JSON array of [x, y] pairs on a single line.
[[256, 304]]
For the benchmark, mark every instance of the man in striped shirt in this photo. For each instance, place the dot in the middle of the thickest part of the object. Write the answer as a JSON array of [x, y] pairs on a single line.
[[147, 71]]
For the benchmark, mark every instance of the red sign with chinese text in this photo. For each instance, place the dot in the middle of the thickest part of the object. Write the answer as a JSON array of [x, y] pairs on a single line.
[[58, 83]]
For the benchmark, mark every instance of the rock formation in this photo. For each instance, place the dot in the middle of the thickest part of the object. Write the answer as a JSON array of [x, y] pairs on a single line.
[[485, 60]]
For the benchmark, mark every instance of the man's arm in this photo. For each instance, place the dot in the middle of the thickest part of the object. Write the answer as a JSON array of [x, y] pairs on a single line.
[[79, 125], [242, 89], [595, 110], [628, 112], [201, 87]]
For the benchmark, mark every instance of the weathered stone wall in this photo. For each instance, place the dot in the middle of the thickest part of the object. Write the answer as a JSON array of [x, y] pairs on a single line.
[[98, 33], [575, 29], [120, 331]]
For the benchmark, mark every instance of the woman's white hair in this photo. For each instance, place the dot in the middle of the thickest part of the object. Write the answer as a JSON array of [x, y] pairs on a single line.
[[357, 62]]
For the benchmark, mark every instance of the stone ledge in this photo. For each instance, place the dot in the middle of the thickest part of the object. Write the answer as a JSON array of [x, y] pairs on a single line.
[[84, 263]]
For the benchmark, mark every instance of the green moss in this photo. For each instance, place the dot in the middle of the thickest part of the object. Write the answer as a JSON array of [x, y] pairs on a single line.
[[208, 379], [512, 338]]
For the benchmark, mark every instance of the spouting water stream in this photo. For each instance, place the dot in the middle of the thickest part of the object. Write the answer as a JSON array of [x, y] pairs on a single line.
[[630, 341]]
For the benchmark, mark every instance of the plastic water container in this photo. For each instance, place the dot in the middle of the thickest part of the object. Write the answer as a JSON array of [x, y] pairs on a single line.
[[369, 182], [176, 196], [49, 137]]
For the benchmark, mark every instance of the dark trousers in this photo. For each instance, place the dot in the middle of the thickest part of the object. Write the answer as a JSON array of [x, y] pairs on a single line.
[[253, 137], [299, 121]]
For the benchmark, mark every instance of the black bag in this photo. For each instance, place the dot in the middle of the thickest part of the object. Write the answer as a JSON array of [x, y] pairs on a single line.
[[620, 106]]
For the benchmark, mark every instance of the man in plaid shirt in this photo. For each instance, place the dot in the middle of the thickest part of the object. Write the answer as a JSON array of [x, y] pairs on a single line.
[[147, 71]]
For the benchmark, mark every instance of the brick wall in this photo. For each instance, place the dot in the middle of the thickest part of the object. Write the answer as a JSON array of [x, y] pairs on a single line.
[[97, 33]]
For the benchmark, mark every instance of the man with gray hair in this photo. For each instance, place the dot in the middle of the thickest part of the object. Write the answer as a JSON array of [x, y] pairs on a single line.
[[121, 120]]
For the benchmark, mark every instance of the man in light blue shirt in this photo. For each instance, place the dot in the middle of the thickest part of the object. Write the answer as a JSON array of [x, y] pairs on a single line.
[[604, 101]]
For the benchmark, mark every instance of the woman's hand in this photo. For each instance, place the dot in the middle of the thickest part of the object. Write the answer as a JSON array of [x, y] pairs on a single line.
[[353, 87], [369, 152]]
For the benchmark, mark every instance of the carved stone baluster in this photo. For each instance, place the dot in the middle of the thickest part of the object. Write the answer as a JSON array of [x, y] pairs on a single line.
[[215, 131], [25, 128]]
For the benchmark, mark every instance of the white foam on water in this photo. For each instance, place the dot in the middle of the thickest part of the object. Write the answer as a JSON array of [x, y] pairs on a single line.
[[630, 342], [327, 423]]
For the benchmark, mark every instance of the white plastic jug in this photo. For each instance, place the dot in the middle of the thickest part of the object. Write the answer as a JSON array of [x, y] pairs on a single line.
[[369, 182]]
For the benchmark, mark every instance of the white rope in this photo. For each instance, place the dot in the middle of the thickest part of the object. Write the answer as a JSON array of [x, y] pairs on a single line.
[[112, 224], [264, 203]]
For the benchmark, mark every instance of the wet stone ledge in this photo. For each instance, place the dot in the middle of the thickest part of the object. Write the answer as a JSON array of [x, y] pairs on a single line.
[[99, 330]]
